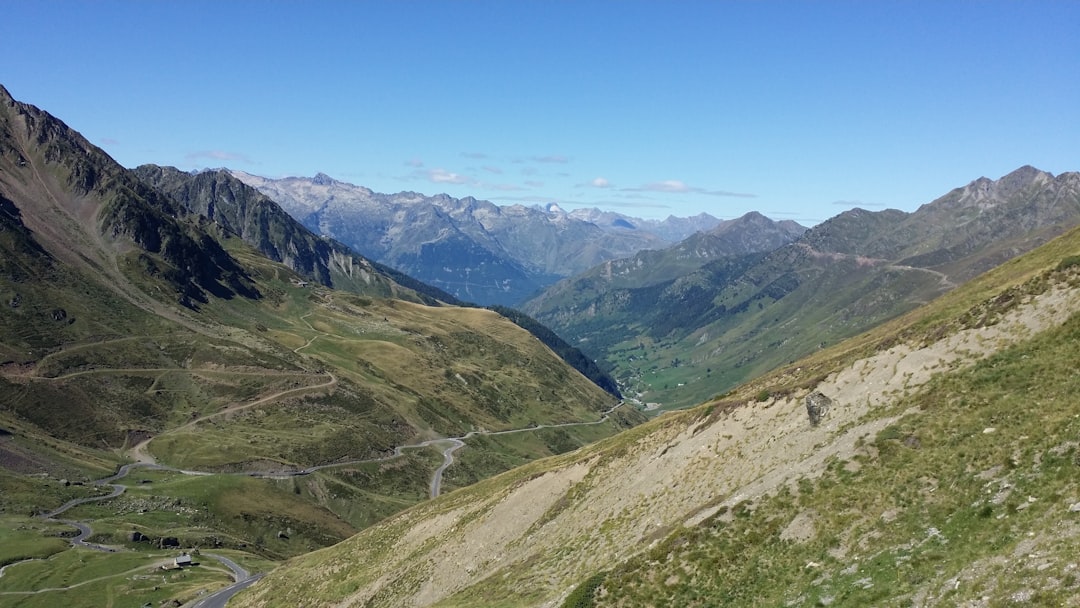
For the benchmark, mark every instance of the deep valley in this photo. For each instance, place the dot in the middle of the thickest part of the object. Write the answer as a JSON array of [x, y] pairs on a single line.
[[290, 389]]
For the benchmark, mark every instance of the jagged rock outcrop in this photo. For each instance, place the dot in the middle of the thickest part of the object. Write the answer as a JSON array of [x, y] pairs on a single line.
[[84, 207], [817, 406]]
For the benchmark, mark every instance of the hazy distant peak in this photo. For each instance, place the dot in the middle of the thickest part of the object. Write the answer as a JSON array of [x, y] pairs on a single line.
[[322, 179]]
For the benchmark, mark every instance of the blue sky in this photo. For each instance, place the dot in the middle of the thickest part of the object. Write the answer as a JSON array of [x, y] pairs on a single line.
[[795, 109]]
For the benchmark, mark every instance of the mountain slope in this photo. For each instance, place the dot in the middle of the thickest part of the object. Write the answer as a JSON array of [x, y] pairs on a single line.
[[242, 210], [473, 249], [132, 328], [76, 184], [941, 472], [751, 233], [699, 333]]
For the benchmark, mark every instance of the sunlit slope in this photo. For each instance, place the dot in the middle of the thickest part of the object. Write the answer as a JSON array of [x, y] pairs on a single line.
[[128, 315], [132, 328], [943, 471]]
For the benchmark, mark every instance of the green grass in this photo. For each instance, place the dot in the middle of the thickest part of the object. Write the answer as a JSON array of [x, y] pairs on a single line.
[[78, 389], [83, 578], [926, 508], [365, 494], [917, 508], [233, 511], [29, 538]]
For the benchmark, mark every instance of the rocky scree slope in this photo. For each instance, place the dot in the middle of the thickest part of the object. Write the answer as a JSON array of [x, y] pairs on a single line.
[[930, 479]]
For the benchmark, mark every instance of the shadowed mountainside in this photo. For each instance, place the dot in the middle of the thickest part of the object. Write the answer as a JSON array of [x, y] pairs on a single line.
[[242, 210]]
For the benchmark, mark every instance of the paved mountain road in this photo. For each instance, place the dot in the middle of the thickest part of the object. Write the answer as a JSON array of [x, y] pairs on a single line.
[[242, 579]]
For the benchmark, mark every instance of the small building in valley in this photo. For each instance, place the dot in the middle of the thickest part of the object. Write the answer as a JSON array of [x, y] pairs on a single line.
[[182, 560]]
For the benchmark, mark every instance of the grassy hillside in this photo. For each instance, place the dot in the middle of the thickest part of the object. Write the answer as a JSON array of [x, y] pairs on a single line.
[[678, 341], [131, 329], [943, 472]]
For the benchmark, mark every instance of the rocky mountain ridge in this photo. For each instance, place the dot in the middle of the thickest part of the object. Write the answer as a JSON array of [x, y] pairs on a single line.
[[474, 249], [244, 211], [91, 211]]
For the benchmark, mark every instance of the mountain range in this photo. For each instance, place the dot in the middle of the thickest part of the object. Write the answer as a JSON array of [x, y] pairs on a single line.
[[683, 324], [260, 222], [476, 250]]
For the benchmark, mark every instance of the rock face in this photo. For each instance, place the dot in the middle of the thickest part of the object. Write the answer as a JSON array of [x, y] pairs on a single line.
[[817, 405], [109, 209], [244, 211]]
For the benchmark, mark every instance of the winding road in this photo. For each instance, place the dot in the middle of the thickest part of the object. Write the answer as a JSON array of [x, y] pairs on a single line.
[[242, 578], [448, 453], [448, 459]]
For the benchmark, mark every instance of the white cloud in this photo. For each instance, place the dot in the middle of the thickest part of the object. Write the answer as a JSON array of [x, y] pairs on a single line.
[[442, 176], [669, 185], [551, 158], [674, 186], [600, 182], [218, 155]]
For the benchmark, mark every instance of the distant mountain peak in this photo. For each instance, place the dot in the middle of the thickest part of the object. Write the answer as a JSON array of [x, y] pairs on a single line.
[[322, 179]]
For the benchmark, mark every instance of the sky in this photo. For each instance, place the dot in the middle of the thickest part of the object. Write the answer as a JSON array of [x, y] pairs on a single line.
[[798, 110]]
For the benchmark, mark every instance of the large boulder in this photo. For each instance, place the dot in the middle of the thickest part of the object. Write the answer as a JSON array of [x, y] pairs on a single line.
[[817, 405]]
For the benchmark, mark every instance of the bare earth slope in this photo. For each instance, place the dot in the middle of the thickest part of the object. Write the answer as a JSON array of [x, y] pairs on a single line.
[[528, 537]]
